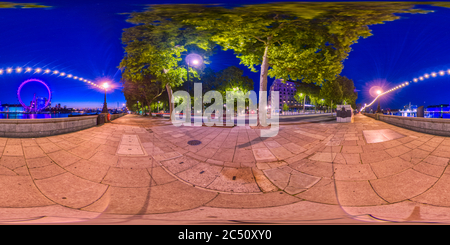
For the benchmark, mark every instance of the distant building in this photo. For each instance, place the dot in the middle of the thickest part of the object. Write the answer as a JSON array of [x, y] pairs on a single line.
[[438, 111], [12, 108], [286, 94], [41, 102]]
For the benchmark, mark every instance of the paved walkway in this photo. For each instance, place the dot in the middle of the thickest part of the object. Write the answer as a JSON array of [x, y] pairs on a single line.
[[139, 170]]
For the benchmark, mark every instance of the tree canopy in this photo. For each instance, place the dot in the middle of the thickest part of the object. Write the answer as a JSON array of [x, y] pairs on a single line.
[[154, 49], [305, 41]]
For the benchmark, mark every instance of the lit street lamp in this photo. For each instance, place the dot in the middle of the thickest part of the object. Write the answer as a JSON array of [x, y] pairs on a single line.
[[105, 107], [195, 61], [378, 107]]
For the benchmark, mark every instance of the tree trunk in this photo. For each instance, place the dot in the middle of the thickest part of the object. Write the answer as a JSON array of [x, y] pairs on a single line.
[[304, 103], [170, 93], [263, 87]]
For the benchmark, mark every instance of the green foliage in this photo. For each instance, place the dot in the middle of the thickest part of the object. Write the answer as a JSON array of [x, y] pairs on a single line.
[[154, 51], [349, 95], [285, 107], [305, 41], [339, 91], [299, 97]]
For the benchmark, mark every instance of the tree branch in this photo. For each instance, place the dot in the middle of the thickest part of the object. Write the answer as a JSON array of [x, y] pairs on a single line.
[[260, 40]]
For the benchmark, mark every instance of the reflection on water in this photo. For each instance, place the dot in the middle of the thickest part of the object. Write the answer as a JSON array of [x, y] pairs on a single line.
[[34, 116], [436, 114]]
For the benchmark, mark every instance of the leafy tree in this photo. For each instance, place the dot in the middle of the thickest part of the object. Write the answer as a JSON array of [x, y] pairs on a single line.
[[154, 50], [331, 92], [285, 107], [297, 41], [231, 79], [304, 90], [349, 95]]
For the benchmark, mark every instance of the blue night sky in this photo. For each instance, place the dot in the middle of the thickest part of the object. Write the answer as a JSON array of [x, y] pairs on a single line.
[[83, 38]]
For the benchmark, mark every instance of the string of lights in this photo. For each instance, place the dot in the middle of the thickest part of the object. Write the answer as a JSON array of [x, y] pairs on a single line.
[[46, 71], [415, 80]]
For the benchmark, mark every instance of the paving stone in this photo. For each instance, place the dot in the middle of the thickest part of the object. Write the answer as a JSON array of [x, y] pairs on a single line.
[[351, 149], [224, 200], [398, 150], [390, 167], [281, 153], [263, 154], [20, 192], [83, 152], [33, 152], [375, 156], [315, 168], [71, 191], [442, 161], [13, 150], [171, 197], [207, 152], [63, 158], [224, 154], [357, 193], [12, 162], [128, 177], [239, 180], [299, 182], [201, 174], [438, 194], [351, 158], [402, 186], [323, 157], [46, 171], [277, 176], [244, 155], [414, 156], [160, 176], [6, 171], [261, 180], [322, 192], [49, 147], [88, 170], [429, 169], [353, 172]]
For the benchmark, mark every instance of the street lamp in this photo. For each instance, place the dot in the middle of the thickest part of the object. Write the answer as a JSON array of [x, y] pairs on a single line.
[[105, 107], [193, 60], [378, 107]]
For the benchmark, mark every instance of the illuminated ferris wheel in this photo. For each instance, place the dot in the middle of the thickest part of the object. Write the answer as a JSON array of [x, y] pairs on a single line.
[[34, 105]]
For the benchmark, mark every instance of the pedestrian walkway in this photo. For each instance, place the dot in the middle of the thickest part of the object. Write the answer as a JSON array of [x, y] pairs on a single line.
[[141, 170]]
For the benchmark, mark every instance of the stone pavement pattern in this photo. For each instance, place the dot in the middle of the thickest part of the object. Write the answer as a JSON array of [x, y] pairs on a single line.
[[143, 169]]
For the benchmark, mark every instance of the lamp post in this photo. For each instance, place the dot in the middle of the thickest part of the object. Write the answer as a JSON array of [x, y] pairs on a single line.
[[194, 60], [378, 107], [105, 107]]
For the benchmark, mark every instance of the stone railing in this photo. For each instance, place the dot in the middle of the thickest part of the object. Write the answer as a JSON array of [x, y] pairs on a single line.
[[435, 126], [31, 128]]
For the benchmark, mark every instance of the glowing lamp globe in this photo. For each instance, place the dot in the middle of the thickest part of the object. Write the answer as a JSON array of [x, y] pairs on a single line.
[[194, 59]]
